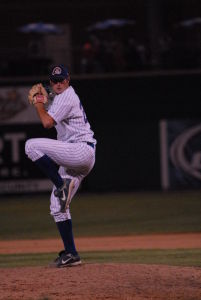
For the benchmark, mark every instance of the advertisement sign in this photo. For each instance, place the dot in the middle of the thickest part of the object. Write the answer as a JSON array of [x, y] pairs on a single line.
[[180, 142], [19, 122]]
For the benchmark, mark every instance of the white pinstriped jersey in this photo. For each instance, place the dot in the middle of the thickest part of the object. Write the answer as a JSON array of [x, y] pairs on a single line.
[[70, 151], [71, 122]]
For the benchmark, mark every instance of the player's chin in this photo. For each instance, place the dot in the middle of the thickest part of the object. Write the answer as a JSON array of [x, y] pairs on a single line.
[[59, 91]]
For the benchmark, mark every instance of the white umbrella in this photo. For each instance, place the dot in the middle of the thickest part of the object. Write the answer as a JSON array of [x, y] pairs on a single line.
[[189, 23], [109, 23], [40, 28]]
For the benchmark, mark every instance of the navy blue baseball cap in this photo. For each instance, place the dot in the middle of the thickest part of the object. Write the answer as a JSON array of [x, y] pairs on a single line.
[[58, 73]]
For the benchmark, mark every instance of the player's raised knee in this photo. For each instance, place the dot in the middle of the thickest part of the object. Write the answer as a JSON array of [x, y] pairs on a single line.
[[29, 147]]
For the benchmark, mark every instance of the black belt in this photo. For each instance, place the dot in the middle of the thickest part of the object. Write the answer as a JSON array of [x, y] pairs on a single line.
[[91, 144]]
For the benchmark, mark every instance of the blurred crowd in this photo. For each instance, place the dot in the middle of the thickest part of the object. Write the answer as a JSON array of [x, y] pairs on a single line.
[[111, 53], [114, 51], [115, 55]]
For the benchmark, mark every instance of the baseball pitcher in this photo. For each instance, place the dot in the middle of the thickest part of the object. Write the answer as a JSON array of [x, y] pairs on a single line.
[[67, 160]]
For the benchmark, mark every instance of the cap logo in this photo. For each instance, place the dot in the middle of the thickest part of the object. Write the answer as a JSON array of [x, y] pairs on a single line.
[[57, 71]]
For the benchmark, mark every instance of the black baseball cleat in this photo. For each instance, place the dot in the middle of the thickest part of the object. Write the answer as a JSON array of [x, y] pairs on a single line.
[[64, 194], [65, 259]]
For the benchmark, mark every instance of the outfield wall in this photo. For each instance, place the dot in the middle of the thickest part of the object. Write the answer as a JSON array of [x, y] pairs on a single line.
[[125, 113]]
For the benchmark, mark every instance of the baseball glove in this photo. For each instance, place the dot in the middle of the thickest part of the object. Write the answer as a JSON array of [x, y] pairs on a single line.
[[38, 94]]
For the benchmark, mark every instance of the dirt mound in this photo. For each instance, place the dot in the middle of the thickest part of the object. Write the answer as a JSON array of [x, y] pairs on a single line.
[[101, 281]]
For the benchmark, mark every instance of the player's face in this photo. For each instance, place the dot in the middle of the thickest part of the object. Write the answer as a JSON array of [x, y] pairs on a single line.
[[59, 86]]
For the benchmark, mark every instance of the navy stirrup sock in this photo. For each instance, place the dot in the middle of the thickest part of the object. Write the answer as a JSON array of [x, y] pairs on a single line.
[[66, 232], [49, 167]]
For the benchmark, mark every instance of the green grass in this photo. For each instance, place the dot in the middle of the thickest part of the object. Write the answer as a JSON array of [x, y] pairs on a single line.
[[25, 217], [178, 257]]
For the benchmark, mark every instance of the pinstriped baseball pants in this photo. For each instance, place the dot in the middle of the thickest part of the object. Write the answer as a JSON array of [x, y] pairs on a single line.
[[75, 160]]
